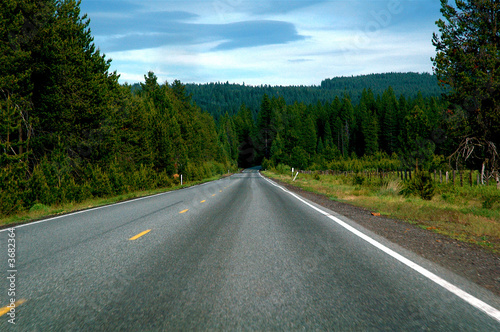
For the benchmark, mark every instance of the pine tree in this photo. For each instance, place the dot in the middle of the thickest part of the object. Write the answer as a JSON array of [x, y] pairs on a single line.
[[321, 147], [71, 82], [389, 109], [277, 151], [345, 125], [11, 148], [466, 64], [308, 138], [418, 148], [264, 130], [228, 137], [17, 20], [244, 128], [370, 131], [328, 140]]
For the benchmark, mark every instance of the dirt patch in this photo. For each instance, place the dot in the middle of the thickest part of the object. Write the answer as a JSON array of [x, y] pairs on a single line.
[[466, 260]]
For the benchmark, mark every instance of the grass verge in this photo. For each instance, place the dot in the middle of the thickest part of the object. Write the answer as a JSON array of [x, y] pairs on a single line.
[[457, 212], [40, 211]]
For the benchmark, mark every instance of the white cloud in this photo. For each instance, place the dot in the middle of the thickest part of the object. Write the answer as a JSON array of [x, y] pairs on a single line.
[[342, 38]]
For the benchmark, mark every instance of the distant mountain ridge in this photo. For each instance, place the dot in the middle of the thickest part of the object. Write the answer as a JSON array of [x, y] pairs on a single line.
[[402, 83], [219, 98]]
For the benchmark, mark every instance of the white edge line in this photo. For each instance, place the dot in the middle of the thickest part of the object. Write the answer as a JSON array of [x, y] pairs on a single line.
[[475, 302], [98, 207]]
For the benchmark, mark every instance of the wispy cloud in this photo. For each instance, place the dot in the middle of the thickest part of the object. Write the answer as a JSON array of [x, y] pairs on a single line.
[[229, 36]]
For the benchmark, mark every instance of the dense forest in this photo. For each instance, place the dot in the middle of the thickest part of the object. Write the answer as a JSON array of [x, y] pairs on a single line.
[[220, 98], [402, 131], [69, 131]]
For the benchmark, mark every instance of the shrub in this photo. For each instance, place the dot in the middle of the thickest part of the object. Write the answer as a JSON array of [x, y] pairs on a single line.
[[283, 169], [267, 164], [421, 184], [116, 178], [100, 183], [358, 180], [39, 207], [163, 180], [39, 189], [490, 200]]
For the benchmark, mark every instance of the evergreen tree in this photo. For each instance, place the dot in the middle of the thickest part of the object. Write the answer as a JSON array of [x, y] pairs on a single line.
[[11, 138], [299, 158], [308, 136], [278, 151], [264, 130], [389, 113], [68, 131], [228, 137], [369, 131], [418, 148], [328, 140], [71, 82], [18, 20], [321, 147], [244, 128], [345, 125], [466, 63]]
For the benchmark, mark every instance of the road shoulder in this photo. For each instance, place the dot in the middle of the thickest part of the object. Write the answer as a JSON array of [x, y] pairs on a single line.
[[468, 261]]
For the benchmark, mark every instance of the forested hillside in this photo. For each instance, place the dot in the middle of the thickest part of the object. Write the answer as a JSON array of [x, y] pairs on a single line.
[[69, 131], [219, 98]]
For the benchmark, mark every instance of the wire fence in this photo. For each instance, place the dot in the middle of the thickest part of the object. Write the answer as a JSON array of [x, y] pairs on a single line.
[[455, 178]]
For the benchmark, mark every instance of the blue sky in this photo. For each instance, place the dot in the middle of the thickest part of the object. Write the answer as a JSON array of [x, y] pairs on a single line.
[[276, 42]]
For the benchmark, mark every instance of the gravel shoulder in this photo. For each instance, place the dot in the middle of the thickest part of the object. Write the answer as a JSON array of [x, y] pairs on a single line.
[[469, 261]]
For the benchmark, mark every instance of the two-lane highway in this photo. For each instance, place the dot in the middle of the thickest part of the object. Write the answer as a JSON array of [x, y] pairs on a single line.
[[238, 253]]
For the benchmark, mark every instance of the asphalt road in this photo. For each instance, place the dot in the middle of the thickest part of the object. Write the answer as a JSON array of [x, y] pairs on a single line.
[[235, 254]]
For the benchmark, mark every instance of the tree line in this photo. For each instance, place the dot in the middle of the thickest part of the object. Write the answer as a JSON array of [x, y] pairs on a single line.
[[379, 127], [69, 131], [219, 98]]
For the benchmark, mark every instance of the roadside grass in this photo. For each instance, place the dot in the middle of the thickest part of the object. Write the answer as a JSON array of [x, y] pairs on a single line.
[[40, 211], [467, 214]]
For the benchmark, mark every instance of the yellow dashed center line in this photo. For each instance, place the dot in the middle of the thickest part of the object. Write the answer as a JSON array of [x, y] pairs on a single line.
[[183, 211], [6, 309], [213, 195], [139, 235], [203, 201]]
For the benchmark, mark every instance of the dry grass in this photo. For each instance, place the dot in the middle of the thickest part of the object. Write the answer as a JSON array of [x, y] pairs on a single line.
[[454, 212]]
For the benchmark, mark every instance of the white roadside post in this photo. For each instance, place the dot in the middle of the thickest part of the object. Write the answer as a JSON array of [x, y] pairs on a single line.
[[181, 179], [296, 176]]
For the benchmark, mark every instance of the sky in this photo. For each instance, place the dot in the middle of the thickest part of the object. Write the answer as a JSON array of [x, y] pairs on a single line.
[[274, 42]]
